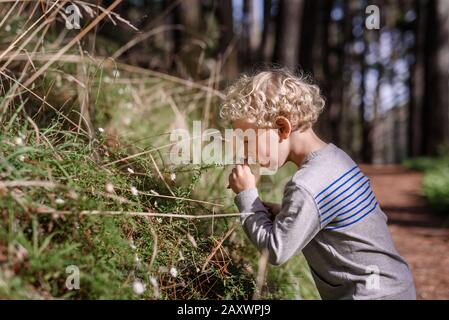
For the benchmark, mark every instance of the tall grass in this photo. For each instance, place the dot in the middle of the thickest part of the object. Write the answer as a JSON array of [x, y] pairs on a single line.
[[85, 181]]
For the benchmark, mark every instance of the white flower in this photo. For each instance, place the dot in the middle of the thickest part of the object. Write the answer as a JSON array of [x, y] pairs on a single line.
[[130, 170], [101, 130], [155, 285], [22, 157], [173, 176], [18, 141], [173, 272], [159, 220], [138, 287], [8, 28], [59, 201], [134, 191], [153, 282], [109, 187], [115, 73]]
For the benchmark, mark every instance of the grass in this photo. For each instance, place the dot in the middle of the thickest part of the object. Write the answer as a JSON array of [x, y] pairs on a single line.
[[60, 182], [111, 252]]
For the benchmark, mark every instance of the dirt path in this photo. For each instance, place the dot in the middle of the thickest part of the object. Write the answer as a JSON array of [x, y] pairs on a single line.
[[417, 232]]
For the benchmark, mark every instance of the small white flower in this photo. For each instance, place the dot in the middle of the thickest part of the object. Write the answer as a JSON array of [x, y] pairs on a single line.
[[154, 282], [138, 287], [115, 73], [173, 176], [8, 28], [155, 285], [173, 272], [130, 170], [159, 220], [18, 141], [101, 130], [22, 157], [109, 187], [59, 201], [134, 191]]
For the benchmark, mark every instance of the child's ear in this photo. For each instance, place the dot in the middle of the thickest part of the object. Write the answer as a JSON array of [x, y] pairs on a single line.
[[284, 127]]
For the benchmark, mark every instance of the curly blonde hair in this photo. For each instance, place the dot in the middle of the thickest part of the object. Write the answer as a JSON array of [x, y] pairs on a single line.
[[264, 97]]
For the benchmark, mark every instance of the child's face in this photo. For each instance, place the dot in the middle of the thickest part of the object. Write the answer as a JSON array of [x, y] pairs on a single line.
[[269, 151]]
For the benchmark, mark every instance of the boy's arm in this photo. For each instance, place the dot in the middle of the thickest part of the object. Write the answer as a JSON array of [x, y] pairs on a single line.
[[294, 227]]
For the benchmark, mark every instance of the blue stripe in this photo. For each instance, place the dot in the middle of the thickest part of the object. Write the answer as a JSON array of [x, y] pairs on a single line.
[[358, 172], [322, 214], [358, 204], [353, 215], [347, 225], [336, 181], [341, 193]]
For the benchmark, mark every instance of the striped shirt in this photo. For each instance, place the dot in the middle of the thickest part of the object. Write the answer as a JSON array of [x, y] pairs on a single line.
[[330, 213]]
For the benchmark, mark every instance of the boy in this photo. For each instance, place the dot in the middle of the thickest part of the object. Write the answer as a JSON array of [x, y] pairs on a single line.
[[329, 211]]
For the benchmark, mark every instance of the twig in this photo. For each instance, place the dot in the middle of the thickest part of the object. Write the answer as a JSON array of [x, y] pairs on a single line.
[[140, 214], [212, 254], [20, 183]]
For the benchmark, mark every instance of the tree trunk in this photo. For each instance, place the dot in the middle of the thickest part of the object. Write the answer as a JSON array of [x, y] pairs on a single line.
[[189, 15], [263, 54], [227, 43], [288, 33], [437, 79], [417, 84]]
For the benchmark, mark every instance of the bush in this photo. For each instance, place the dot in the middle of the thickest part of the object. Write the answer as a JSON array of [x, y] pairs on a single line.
[[436, 180]]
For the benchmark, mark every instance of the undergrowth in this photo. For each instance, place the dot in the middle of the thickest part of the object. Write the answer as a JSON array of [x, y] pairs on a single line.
[[113, 253], [73, 195], [436, 180]]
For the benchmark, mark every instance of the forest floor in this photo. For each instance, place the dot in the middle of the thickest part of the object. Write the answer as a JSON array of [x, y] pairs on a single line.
[[418, 233]]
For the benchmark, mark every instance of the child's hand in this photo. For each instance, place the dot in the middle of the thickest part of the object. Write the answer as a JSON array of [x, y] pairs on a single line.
[[273, 209], [241, 178]]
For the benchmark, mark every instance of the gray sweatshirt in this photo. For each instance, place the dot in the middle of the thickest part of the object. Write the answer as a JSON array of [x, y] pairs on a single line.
[[329, 212]]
